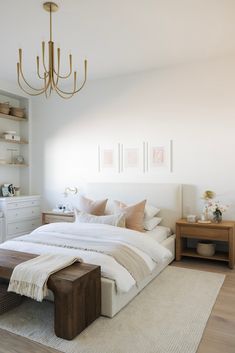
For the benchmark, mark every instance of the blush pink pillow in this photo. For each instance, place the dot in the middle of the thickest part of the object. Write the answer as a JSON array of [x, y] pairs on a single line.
[[134, 214], [96, 208]]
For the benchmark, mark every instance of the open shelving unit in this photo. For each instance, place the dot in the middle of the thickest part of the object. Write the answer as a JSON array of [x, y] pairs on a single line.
[[10, 171]]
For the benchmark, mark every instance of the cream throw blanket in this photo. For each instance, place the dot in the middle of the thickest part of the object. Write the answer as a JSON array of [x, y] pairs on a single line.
[[30, 277]]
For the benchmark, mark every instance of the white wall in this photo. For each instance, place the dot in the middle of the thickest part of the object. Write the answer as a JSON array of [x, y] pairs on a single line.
[[192, 105]]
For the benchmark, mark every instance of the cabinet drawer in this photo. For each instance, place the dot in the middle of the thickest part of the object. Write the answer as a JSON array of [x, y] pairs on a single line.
[[22, 227], [204, 233], [57, 218], [21, 213], [19, 204]]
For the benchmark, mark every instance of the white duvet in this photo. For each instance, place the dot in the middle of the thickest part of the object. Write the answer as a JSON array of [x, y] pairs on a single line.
[[149, 249]]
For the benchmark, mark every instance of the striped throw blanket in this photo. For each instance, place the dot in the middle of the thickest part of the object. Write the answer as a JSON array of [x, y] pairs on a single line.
[[122, 253]]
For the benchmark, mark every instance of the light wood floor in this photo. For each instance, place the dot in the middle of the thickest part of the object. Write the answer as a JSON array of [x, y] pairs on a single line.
[[218, 337]]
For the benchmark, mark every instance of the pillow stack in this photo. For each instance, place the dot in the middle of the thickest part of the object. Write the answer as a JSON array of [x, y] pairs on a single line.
[[139, 217], [150, 219]]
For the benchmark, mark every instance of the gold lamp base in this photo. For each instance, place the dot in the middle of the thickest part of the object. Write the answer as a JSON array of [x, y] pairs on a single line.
[[50, 6]]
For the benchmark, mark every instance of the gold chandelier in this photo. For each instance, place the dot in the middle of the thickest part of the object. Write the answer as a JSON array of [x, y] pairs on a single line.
[[51, 75]]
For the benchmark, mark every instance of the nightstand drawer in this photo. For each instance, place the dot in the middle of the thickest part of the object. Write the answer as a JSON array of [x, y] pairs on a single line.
[[57, 218], [204, 233]]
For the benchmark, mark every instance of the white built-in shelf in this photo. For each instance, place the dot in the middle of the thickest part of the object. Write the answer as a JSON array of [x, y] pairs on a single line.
[[15, 173], [21, 142], [14, 164], [11, 117]]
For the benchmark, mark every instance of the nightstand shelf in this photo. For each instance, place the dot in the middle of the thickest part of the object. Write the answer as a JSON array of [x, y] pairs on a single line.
[[219, 255], [222, 232]]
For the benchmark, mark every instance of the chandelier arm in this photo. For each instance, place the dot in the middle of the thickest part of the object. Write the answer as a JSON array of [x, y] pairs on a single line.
[[58, 68], [70, 93], [62, 96], [35, 89], [38, 70], [45, 84], [19, 69], [59, 92], [31, 94], [79, 89], [43, 57], [70, 70]]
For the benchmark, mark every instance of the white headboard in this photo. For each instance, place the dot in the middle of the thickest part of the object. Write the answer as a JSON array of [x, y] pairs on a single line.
[[167, 197]]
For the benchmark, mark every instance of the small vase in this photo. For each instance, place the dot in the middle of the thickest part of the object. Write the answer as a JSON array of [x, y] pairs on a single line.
[[217, 217]]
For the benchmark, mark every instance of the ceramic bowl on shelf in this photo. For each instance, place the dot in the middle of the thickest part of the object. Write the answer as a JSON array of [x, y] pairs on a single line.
[[206, 248], [18, 112], [4, 108]]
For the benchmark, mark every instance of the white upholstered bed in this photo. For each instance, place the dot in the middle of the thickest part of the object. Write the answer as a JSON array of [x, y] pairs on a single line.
[[167, 197]]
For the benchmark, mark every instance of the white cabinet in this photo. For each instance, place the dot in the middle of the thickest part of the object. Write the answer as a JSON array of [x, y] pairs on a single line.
[[21, 215]]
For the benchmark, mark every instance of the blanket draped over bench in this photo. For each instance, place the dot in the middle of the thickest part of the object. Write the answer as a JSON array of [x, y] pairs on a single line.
[[29, 278], [123, 254]]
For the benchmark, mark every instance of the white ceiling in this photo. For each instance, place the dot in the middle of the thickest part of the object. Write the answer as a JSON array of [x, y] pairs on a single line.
[[118, 36]]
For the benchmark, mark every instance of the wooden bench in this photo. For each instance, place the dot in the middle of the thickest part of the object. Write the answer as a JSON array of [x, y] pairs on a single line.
[[76, 289]]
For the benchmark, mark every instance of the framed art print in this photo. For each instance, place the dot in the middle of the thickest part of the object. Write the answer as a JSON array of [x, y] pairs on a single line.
[[131, 157], [159, 156], [108, 159]]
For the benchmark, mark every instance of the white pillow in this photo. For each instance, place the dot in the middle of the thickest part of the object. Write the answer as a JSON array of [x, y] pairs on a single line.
[[159, 233], [150, 224], [150, 211], [117, 220]]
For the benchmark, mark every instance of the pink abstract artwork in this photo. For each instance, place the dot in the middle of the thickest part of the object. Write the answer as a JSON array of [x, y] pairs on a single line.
[[158, 156]]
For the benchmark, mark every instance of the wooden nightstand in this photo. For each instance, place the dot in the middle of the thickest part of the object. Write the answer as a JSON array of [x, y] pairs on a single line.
[[223, 231], [52, 217]]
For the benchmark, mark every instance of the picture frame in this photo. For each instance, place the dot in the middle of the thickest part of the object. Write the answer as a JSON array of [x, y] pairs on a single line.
[[108, 158], [5, 191], [159, 156], [132, 157]]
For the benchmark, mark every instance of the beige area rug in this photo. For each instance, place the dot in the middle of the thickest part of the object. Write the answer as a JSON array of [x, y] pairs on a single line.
[[168, 316]]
